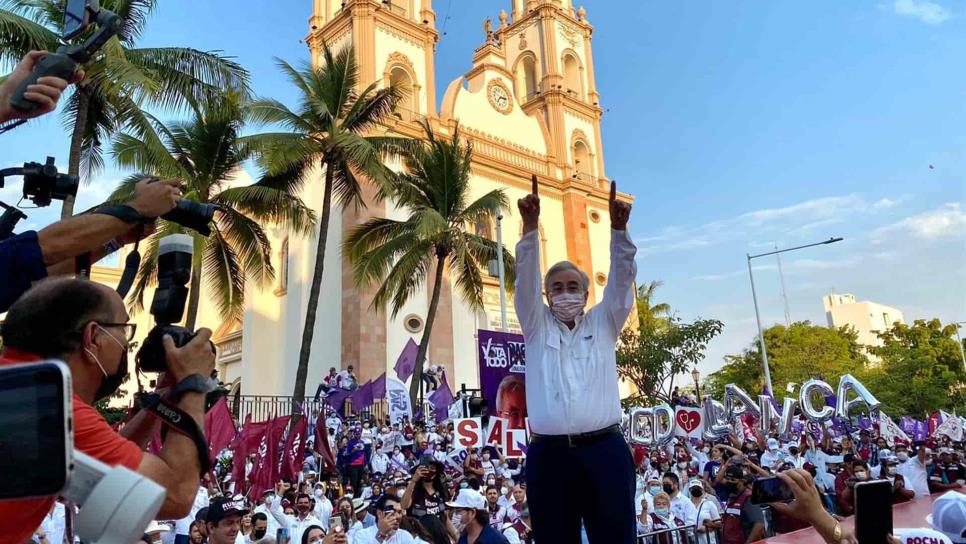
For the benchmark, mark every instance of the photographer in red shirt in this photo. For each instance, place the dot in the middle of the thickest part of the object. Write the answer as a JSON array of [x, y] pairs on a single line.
[[86, 325]]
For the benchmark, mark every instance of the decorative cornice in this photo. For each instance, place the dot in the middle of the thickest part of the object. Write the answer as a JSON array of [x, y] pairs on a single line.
[[399, 59], [398, 34]]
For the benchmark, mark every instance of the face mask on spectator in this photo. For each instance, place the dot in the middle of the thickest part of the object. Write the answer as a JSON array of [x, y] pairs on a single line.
[[891, 471], [682, 465], [654, 490], [400, 493], [662, 512], [697, 491], [259, 534], [668, 488], [902, 456], [861, 475]]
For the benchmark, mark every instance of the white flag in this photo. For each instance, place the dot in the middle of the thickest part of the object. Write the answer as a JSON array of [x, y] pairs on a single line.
[[398, 396], [889, 430], [951, 427]]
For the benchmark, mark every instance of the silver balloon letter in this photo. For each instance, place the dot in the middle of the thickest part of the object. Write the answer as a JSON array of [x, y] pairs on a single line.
[[805, 401]]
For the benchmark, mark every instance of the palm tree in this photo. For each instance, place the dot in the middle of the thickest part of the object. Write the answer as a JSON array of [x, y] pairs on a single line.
[[651, 317], [330, 129], [119, 80], [399, 255], [207, 152]]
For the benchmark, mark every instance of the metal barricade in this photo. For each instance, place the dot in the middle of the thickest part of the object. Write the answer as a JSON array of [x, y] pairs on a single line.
[[674, 535]]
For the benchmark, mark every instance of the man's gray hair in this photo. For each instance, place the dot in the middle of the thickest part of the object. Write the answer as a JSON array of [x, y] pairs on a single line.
[[564, 266]]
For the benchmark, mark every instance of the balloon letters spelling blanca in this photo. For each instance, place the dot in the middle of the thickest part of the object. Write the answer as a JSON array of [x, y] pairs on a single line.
[[652, 426], [737, 403], [843, 405], [715, 422], [788, 416], [805, 400]]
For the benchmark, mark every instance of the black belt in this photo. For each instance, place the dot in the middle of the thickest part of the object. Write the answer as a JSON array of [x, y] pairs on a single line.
[[582, 439]]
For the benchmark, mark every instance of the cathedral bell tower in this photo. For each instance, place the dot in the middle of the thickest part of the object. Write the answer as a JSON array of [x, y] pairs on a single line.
[[394, 42], [548, 47]]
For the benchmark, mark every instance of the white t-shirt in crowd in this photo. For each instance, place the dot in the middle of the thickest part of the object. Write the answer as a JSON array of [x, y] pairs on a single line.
[[707, 510], [183, 525], [914, 473], [683, 509], [772, 459], [368, 536]]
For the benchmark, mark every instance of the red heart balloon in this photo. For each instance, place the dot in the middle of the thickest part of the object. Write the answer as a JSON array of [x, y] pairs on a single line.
[[688, 420]]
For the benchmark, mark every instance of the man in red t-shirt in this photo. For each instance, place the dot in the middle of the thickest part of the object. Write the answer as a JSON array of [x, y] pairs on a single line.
[[86, 325]]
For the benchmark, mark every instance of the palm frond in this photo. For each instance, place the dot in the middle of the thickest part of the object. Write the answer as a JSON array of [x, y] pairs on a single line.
[[250, 243], [223, 275], [373, 107], [268, 205], [466, 275], [271, 111], [404, 279], [20, 34], [183, 74], [486, 207], [134, 15]]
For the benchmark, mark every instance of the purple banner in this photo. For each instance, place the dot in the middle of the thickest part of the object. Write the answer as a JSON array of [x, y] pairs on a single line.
[[921, 431], [503, 375]]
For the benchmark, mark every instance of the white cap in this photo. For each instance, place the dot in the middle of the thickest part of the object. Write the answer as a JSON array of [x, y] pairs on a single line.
[[949, 516], [772, 444], [469, 498]]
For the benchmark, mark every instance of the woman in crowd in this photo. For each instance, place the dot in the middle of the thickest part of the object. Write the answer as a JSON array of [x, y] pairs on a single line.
[[709, 517], [426, 492], [194, 533], [313, 534], [246, 529], [661, 518]]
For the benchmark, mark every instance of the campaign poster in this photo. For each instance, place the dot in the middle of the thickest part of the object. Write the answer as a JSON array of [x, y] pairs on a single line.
[[503, 375]]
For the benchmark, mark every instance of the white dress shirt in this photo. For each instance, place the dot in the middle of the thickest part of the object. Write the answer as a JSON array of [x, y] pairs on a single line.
[[368, 536], [295, 525], [914, 473], [379, 462], [572, 374], [54, 523], [182, 526], [683, 509]]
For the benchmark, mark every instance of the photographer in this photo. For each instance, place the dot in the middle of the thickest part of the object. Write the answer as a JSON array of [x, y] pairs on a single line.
[[32, 256], [86, 325]]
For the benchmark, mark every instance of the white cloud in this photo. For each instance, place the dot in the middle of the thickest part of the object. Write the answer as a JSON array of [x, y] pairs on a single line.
[[753, 227], [944, 222], [928, 12]]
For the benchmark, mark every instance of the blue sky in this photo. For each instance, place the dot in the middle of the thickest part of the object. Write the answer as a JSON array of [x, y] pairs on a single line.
[[737, 125]]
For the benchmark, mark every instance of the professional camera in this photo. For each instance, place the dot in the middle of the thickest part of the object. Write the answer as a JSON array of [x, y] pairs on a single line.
[[192, 215], [42, 183], [175, 253]]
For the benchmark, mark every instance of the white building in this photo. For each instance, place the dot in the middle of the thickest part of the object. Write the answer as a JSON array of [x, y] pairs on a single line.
[[867, 318]]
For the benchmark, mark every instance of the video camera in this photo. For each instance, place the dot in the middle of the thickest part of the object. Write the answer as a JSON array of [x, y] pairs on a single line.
[[68, 58], [42, 184], [36, 417]]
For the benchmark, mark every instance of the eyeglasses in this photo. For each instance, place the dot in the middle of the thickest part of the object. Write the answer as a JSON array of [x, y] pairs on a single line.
[[129, 329]]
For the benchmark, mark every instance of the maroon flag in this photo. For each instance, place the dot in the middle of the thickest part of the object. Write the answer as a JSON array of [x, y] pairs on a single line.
[[265, 472], [294, 453], [252, 433], [327, 460], [219, 428], [239, 458], [406, 363]]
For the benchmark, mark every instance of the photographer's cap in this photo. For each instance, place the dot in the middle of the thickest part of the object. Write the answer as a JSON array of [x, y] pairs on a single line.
[[468, 498], [221, 508], [949, 516]]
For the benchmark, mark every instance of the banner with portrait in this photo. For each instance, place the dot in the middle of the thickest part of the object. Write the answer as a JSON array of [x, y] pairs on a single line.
[[503, 375]]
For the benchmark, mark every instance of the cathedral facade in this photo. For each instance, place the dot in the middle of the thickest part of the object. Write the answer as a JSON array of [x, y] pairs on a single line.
[[530, 105]]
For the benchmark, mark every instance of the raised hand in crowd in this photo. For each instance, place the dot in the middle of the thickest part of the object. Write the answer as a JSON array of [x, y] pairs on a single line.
[[530, 207], [808, 507], [46, 92]]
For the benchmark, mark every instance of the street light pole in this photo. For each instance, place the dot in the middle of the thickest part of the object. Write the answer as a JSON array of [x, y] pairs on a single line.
[[761, 333], [499, 264], [962, 355], [754, 296]]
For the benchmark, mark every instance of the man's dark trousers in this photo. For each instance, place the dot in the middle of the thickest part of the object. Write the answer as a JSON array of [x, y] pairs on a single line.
[[591, 480]]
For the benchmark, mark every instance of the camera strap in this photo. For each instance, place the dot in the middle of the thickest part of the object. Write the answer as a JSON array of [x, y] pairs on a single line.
[[177, 419]]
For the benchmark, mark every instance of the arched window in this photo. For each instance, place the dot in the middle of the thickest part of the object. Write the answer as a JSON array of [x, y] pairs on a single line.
[[400, 78], [583, 162], [527, 81], [571, 70], [482, 228]]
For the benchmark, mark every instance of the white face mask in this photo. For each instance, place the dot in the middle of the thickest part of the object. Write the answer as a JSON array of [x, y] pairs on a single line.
[[860, 475], [567, 306], [457, 520], [683, 465], [504, 490], [902, 456], [891, 471], [400, 493]]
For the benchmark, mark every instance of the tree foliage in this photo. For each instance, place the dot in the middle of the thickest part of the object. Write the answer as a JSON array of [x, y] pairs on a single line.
[[921, 369], [333, 129], [651, 316], [650, 358], [795, 354], [400, 256]]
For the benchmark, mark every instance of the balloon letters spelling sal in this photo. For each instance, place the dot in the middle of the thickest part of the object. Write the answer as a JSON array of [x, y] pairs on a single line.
[[655, 425]]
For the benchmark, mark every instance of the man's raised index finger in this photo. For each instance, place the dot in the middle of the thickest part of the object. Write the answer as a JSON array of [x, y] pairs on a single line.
[[535, 188], [613, 191]]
